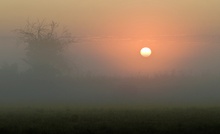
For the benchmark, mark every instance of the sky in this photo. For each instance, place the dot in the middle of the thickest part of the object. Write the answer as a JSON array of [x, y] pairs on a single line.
[[183, 35]]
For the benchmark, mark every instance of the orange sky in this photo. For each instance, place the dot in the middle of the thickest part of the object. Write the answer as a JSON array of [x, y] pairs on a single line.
[[112, 32], [130, 17], [122, 56]]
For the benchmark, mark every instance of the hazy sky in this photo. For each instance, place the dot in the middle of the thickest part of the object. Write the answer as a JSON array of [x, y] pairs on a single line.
[[183, 34]]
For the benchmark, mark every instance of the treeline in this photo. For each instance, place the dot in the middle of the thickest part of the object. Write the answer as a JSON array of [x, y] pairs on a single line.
[[158, 89]]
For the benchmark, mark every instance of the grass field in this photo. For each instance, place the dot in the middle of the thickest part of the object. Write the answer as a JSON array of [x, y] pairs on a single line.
[[110, 120]]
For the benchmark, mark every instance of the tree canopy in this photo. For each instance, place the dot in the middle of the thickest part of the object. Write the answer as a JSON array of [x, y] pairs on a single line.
[[44, 47]]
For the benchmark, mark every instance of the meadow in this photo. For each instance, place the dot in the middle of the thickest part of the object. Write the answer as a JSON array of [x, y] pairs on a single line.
[[163, 104], [110, 120]]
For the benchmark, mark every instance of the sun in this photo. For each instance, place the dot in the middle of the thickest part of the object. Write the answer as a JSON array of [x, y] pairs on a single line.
[[145, 52]]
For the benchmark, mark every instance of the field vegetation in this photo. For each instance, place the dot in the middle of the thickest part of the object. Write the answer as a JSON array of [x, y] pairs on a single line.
[[112, 120]]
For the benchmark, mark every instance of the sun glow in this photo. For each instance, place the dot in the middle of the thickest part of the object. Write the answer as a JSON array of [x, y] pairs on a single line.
[[145, 52]]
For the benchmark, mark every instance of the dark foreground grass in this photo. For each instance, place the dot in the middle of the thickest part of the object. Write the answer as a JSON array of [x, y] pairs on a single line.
[[110, 121]]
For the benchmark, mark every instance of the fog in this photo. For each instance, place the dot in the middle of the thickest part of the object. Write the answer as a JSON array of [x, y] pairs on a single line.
[[113, 57], [91, 57], [98, 80]]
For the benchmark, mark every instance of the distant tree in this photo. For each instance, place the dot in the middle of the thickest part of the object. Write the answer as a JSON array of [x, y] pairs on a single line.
[[44, 48]]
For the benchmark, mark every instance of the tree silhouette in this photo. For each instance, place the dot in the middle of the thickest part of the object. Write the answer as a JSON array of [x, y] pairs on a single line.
[[44, 48]]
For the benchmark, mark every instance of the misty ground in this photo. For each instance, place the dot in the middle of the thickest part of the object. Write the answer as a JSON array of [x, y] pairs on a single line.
[[163, 89], [164, 103]]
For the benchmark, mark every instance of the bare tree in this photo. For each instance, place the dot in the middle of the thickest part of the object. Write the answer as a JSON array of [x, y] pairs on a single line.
[[44, 47]]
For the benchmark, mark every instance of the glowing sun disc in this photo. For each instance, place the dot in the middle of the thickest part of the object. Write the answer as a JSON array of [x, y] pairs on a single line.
[[145, 52]]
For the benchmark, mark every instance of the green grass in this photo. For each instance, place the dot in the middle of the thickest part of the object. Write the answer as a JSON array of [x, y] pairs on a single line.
[[110, 120]]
